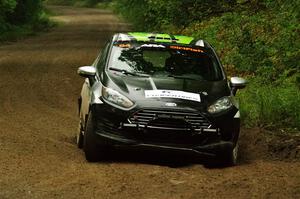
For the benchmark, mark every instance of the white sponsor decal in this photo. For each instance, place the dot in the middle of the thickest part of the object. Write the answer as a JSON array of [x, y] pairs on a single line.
[[152, 46], [172, 94]]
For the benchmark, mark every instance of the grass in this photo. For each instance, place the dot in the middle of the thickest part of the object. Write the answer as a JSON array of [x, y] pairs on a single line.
[[271, 106]]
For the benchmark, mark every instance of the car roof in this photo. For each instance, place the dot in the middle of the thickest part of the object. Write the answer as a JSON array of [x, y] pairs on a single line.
[[159, 38]]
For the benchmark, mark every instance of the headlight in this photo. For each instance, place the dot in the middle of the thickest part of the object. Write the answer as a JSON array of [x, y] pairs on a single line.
[[220, 105], [116, 98]]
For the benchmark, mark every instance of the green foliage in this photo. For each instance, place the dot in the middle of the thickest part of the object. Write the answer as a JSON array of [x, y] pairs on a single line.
[[6, 7], [25, 11], [21, 17], [271, 106], [155, 15], [254, 42]]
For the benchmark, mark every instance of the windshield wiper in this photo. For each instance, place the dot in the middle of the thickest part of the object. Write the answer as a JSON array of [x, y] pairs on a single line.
[[182, 77], [126, 72]]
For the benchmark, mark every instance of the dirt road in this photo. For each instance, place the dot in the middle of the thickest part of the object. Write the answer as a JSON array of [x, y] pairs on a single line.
[[38, 156]]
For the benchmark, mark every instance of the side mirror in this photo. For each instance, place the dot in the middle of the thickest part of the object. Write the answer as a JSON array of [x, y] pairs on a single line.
[[86, 71], [237, 83]]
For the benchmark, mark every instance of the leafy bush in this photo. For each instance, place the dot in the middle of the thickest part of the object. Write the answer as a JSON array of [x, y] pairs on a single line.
[[21, 17], [25, 11], [155, 15], [252, 43], [6, 7]]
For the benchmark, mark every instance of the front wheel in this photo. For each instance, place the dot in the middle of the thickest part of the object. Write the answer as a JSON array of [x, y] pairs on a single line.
[[230, 158], [91, 149]]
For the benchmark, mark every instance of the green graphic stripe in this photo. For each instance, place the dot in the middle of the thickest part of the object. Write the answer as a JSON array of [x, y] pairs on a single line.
[[184, 39], [161, 38]]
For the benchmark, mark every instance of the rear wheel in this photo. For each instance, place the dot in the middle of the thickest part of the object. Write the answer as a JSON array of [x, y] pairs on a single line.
[[91, 149]]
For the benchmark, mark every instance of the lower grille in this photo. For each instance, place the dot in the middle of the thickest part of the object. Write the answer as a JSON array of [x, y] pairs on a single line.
[[169, 119]]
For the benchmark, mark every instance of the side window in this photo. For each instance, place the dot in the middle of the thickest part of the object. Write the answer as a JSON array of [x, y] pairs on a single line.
[[101, 62]]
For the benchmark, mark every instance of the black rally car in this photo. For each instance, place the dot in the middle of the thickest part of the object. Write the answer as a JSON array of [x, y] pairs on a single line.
[[158, 91]]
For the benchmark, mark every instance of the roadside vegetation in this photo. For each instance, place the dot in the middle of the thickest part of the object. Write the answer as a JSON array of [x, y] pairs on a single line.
[[20, 18], [258, 40]]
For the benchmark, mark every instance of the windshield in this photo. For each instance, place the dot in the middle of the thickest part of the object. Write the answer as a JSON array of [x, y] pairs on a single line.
[[165, 60]]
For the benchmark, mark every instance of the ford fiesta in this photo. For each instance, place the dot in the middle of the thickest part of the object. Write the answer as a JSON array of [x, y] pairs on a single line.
[[158, 91]]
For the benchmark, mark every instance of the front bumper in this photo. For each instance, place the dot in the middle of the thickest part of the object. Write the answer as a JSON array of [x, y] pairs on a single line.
[[113, 129], [208, 149]]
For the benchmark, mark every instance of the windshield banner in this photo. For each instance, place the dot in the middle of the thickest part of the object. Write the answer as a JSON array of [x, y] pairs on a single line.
[[172, 94]]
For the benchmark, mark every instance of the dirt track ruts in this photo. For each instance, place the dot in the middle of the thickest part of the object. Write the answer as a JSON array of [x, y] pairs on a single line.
[[38, 156]]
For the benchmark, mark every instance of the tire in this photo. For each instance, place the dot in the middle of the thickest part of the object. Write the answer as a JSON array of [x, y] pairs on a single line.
[[91, 149], [230, 158]]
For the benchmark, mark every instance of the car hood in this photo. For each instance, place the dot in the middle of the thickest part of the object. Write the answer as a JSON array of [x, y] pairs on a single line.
[[134, 88]]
